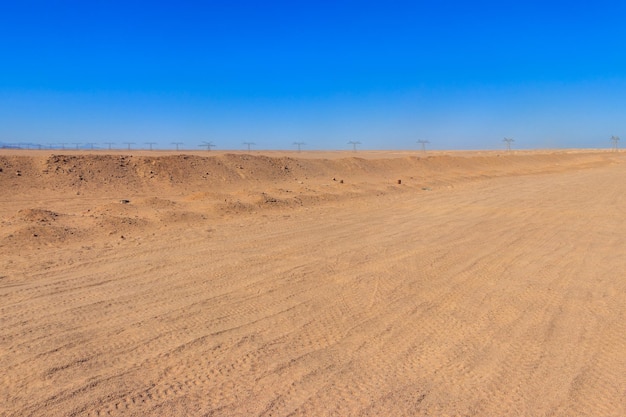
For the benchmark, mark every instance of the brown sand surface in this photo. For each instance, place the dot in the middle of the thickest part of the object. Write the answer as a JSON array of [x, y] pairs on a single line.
[[312, 284]]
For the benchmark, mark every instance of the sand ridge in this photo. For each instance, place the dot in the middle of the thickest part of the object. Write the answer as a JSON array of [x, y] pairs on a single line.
[[259, 284]]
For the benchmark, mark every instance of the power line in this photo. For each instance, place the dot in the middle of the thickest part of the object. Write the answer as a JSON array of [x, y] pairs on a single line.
[[508, 142], [354, 143], [299, 145], [207, 145]]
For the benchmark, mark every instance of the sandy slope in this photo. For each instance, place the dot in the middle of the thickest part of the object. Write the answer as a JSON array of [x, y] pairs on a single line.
[[235, 284]]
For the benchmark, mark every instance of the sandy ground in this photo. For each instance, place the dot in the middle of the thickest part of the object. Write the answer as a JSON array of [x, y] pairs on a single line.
[[312, 284]]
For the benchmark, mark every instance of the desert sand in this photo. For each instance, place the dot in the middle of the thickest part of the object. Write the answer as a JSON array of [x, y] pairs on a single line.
[[312, 284]]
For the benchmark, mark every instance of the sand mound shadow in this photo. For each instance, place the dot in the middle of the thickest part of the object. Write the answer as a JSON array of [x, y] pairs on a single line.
[[37, 215], [36, 235]]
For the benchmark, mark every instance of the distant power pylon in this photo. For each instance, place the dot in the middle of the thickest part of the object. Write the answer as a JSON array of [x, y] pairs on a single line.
[[90, 145], [110, 144], [249, 144], [62, 145], [299, 145], [77, 145], [508, 142], [354, 143], [129, 143], [615, 140], [150, 144], [177, 144], [207, 145], [423, 143]]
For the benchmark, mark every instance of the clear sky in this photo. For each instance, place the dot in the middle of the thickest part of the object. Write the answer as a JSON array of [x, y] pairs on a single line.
[[461, 74]]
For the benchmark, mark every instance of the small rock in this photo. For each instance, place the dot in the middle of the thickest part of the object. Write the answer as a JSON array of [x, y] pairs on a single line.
[[124, 201], [340, 181]]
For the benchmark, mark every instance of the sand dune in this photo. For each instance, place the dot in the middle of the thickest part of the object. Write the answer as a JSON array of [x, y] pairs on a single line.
[[312, 284]]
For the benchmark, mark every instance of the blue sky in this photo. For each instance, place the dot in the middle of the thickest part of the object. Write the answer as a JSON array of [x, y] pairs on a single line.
[[462, 75]]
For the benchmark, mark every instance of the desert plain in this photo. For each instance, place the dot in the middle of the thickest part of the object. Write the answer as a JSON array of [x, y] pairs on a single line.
[[312, 283]]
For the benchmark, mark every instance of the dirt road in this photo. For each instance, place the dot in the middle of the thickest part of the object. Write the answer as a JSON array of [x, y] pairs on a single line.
[[461, 293]]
